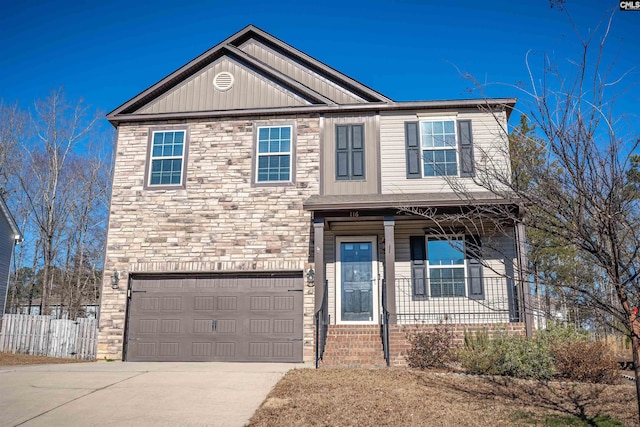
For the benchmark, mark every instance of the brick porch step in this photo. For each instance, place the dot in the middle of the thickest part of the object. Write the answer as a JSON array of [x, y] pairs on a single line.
[[353, 346]]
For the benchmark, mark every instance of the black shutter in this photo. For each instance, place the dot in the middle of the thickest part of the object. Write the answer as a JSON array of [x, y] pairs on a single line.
[[342, 152], [418, 267], [412, 145], [465, 147], [357, 151], [349, 152], [473, 248]]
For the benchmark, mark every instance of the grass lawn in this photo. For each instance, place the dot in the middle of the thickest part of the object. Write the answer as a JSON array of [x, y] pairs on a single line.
[[10, 359], [405, 397]]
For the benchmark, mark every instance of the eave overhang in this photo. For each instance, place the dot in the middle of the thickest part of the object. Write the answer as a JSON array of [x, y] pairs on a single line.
[[4, 209], [481, 104]]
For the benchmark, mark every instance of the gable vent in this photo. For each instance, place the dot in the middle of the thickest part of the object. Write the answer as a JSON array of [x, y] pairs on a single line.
[[223, 81]]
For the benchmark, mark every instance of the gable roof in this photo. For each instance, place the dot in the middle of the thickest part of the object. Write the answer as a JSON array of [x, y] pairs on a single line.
[[239, 48], [4, 210], [275, 77]]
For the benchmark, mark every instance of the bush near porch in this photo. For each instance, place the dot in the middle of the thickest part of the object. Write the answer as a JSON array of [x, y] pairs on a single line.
[[558, 352]]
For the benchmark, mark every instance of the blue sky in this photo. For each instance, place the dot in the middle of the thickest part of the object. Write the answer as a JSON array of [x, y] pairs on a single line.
[[107, 52]]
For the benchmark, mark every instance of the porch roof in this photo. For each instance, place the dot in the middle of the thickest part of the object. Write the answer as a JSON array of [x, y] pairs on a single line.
[[402, 200]]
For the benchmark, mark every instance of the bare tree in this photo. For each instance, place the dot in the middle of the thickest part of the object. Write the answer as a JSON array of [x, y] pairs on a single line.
[[12, 132], [47, 178], [582, 193]]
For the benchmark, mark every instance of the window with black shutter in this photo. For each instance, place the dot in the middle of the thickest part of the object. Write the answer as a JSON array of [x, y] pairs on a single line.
[[350, 152], [439, 147]]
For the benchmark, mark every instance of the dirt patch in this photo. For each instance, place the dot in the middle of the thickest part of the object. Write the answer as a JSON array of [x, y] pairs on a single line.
[[9, 359], [404, 397]]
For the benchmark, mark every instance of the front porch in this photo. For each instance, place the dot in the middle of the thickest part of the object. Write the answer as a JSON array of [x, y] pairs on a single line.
[[382, 271]]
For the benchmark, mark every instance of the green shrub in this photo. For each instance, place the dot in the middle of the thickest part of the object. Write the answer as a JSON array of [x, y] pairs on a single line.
[[510, 356], [586, 361], [431, 349], [560, 351], [557, 333]]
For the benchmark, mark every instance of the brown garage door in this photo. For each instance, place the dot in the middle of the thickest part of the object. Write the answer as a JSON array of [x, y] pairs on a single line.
[[215, 318]]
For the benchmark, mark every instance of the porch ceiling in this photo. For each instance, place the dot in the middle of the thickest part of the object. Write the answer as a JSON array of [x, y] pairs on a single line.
[[397, 201]]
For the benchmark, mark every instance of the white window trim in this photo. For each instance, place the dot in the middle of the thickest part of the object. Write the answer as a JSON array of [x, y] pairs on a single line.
[[182, 158], [463, 266], [423, 149], [375, 294], [289, 153]]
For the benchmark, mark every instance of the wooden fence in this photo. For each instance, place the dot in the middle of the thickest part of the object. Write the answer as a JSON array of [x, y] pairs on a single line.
[[45, 336]]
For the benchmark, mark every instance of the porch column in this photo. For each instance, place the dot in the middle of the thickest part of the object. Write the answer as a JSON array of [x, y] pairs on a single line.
[[390, 267], [318, 259], [523, 263]]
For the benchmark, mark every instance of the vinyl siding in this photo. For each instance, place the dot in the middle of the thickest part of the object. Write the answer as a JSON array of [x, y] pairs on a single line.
[[6, 253], [499, 252], [332, 186], [489, 146], [368, 228], [197, 93], [300, 73]]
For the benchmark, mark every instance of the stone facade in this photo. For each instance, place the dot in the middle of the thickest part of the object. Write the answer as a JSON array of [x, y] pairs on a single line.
[[218, 222]]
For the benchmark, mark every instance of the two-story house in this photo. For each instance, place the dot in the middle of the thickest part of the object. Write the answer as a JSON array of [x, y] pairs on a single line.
[[257, 199], [9, 236]]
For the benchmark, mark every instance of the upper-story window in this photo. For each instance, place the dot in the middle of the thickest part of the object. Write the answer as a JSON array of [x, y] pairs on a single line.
[[349, 152], [274, 154], [167, 159], [439, 147]]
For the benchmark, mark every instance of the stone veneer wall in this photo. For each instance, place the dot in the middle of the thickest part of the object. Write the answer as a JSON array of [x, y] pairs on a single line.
[[218, 223]]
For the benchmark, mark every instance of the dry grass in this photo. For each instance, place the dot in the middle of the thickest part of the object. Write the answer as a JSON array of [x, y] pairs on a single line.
[[404, 397], [10, 359]]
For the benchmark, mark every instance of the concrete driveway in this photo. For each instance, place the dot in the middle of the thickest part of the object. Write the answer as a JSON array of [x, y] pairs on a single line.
[[136, 394]]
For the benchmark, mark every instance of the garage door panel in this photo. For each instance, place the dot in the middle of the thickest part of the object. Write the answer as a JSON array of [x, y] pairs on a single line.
[[148, 304], [170, 326], [216, 319], [259, 303], [203, 303], [171, 303], [227, 303], [225, 350]]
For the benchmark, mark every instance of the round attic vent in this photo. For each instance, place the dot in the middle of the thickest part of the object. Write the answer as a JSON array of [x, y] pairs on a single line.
[[223, 81]]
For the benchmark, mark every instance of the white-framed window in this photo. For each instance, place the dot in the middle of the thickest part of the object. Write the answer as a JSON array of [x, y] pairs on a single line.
[[439, 147], [274, 154], [168, 148], [446, 266]]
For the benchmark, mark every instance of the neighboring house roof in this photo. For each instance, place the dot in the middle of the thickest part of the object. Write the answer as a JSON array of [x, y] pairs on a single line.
[[276, 78], [4, 209]]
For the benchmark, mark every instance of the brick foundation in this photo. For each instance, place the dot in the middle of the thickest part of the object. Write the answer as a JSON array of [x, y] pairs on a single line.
[[398, 343]]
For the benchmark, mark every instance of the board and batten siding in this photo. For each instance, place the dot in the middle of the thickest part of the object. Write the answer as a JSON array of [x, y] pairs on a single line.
[[7, 241], [489, 148], [300, 73], [370, 183], [197, 93]]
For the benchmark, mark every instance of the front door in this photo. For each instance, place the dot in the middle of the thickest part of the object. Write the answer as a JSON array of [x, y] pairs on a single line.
[[357, 285]]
